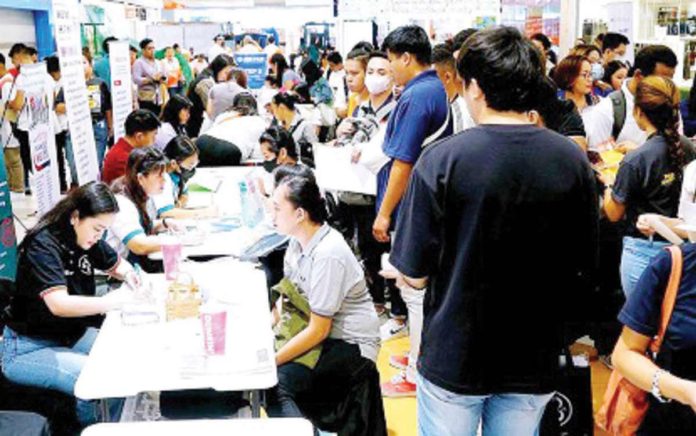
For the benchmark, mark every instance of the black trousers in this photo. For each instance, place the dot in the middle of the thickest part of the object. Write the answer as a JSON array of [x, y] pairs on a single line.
[[214, 152], [24, 152], [60, 154]]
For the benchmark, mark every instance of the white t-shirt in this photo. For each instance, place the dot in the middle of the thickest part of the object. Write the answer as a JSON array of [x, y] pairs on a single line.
[[461, 118], [687, 200], [61, 120], [127, 224], [599, 121], [244, 132], [49, 89], [165, 201], [338, 86], [165, 134]]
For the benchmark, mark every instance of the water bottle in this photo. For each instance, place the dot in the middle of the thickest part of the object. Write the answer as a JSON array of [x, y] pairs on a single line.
[[257, 201], [248, 206]]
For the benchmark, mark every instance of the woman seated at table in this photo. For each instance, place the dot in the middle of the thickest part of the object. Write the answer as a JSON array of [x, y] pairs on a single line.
[[343, 321], [134, 231], [278, 148], [53, 312], [175, 115], [183, 160]]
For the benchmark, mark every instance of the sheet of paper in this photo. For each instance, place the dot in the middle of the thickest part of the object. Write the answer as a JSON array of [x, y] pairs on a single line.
[[335, 171]]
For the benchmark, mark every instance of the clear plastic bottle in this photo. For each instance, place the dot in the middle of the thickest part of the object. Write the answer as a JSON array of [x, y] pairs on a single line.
[[249, 214]]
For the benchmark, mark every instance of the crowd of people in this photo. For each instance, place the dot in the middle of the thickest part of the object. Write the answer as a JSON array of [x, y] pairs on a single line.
[[521, 202]]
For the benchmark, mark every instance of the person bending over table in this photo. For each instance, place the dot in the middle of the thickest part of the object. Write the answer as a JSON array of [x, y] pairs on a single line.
[[134, 231], [183, 160], [343, 321], [54, 311]]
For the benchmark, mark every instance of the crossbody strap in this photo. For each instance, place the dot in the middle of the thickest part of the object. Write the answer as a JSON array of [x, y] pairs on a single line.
[[669, 299]]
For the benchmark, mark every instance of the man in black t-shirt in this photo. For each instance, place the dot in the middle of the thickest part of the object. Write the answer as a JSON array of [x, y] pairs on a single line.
[[500, 226]]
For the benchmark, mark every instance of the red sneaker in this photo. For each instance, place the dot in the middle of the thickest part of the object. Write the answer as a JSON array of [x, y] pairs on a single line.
[[398, 387], [398, 362]]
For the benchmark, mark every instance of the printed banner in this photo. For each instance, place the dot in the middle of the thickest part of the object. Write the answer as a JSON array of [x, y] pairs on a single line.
[[121, 86], [8, 240], [38, 103], [67, 24], [254, 65]]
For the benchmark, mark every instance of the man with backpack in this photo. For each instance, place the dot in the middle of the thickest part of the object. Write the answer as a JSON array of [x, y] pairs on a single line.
[[611, 121]]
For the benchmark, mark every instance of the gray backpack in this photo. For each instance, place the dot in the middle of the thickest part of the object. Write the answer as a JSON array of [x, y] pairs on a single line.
[[618, 101]]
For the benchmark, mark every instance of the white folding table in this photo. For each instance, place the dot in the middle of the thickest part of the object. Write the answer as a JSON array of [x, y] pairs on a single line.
[[207, 427], [164, 356]]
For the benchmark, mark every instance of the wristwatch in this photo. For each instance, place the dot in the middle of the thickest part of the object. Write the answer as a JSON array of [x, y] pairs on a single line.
[[655, 390]]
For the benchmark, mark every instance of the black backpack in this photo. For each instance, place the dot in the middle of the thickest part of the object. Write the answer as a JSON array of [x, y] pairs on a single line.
[[618, 102]]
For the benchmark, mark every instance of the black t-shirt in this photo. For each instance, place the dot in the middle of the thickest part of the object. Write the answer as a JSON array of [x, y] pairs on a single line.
[[503, 219], [50, 260], [647, 183]]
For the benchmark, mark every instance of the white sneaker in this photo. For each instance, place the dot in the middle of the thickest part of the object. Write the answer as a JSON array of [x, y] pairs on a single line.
[[393, 329]]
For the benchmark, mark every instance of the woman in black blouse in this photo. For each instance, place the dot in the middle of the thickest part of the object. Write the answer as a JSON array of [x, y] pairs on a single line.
[[52, 313]]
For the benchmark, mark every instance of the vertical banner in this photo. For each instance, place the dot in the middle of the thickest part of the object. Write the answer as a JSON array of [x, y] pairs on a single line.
[[66, 21], [121, 86], [8, 241], [254, 65], [42, 140]]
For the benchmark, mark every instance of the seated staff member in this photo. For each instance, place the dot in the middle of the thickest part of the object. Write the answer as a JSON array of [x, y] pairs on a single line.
[[343, 320], [278, 148], [183, 160], [133, 232], [141, 128], [48, 336], [649, 178]]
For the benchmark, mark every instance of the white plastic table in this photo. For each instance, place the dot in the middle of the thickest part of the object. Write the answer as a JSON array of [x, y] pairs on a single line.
[[237, 427], [166, 356], [224, 181]]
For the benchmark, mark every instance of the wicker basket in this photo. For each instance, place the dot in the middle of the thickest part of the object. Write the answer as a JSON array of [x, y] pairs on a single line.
[[183, 299]]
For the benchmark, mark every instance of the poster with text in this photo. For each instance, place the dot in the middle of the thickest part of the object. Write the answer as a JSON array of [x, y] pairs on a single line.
[[37, 86], [254, 65], [67, 27], [8, 240], [121, 86]]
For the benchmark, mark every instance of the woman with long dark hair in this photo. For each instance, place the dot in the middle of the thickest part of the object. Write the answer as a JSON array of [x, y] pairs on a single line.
[[198, 90], [285, 110], [54, 310], [285, 77], [175, 116], [182, 154], [649, 178], [133, 232]]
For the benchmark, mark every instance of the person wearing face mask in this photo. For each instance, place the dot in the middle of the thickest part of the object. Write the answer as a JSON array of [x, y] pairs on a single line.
[[278, 148], [141, 128], [53, 317], [594, 55], [356, 212], [614, 47], [444, 64], [133, 233], [183, 160]]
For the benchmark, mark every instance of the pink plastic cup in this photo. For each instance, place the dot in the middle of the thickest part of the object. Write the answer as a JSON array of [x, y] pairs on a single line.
[[171, 256], [214, 329]]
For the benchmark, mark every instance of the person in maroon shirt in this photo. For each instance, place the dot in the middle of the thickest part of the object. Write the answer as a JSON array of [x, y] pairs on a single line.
[[141, 128]]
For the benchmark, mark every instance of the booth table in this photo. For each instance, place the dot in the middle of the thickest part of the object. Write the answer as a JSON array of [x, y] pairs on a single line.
[[165, 356], [237, 427]]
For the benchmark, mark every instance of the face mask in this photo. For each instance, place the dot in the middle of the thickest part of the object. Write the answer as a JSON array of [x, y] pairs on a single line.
[[597, 71], [187, 174], [377, 84], [270, 165]]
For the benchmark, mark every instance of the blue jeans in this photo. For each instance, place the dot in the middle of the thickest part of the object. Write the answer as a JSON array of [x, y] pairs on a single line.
[[101, 140], [45, 364], [636, 256], [444, 413]]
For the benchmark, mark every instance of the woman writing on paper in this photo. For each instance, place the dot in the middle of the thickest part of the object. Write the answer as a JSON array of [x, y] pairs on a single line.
[[54, 309], [134, 231], [171, 202]]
